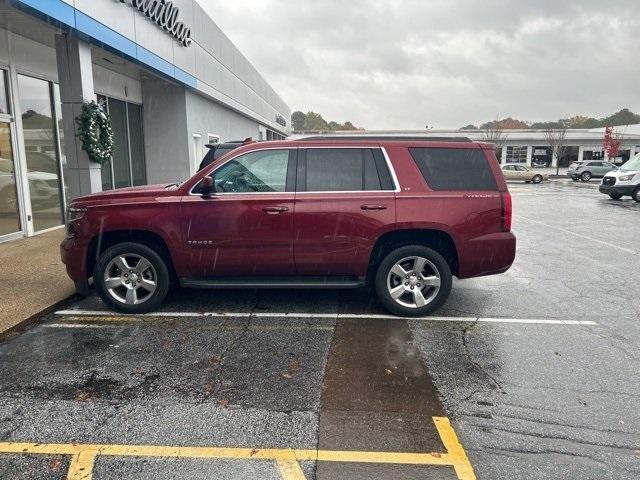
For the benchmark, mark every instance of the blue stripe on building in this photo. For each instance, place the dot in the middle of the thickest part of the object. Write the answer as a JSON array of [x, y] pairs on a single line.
[[62, 14]]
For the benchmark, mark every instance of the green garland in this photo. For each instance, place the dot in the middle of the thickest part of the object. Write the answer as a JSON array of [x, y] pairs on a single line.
[[95, 132]]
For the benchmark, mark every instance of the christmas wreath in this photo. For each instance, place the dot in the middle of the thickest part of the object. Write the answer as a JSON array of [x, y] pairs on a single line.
[[95, 132]]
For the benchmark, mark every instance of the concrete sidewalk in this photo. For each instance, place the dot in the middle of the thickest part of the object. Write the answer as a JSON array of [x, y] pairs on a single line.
[[32, 278]]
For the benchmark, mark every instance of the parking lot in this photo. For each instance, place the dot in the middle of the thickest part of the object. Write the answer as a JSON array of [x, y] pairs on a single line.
[[530, 374]]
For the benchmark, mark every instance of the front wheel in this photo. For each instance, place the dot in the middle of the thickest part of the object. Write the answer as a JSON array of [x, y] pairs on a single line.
[[537, 179], [413, 281], [636, 194], [615, 196], [585, 177], [131, 278]]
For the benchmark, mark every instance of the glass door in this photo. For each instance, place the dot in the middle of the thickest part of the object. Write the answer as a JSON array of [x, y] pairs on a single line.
[[9, 205], [41, 151], [9, 208]]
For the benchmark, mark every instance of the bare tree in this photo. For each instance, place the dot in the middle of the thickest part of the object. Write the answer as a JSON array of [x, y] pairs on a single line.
[[494, 133], [556, 139]]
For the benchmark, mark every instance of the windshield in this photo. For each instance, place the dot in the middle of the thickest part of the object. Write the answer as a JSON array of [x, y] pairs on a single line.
[[632, 165]]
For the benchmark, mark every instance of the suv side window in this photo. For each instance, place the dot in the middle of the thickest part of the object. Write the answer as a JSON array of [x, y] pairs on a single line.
[[254, 172], [344, 170], [454, 168]]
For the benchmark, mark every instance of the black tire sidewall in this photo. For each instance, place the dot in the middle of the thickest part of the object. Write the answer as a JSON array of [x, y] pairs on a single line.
[[636, 194], [409, 251], [537, 179], [163, 278]]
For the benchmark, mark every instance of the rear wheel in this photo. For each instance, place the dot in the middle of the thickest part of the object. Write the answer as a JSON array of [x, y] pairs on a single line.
[[413, 281], [537, 179], [131, 278], [636, 194], [615, 196], [585, 177]]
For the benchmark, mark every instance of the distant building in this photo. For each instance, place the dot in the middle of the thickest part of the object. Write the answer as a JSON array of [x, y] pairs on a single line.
[[528, 147]]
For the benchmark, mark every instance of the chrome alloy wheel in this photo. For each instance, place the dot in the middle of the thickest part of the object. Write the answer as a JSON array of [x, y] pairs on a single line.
[[413, 282], [130, 279]]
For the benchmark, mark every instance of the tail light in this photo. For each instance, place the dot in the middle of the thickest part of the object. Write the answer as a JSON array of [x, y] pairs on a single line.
[[507, 211]]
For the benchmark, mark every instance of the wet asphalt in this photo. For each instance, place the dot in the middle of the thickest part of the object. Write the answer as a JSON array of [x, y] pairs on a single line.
[[534, 401]]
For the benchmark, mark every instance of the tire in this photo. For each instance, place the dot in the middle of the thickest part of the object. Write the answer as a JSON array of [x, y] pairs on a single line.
[[615, 196], [585, 177], [636, 194], [152, 279], [537, 179], [436, 272]]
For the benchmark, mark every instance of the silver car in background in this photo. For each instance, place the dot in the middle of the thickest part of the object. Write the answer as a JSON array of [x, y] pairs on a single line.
[[588, 169]]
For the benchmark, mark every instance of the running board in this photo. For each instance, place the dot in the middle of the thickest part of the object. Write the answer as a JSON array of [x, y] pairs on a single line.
[[274, 282]]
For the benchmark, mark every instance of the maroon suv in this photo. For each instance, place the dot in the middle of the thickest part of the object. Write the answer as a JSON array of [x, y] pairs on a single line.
[[401, 214]]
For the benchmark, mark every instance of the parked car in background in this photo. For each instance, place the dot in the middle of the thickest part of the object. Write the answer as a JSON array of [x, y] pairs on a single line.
[[588, 169], [401, 215], [523, 173], [217, 150], [624, 181]]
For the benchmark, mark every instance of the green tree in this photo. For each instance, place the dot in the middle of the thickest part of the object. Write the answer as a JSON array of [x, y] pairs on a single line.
[[623, 117], [334, 126], [298, 120], [315, 122], [349, 126], [469, 127]]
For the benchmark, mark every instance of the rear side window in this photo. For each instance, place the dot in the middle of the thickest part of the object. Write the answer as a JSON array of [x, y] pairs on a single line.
[[344, 169], [454, 169]]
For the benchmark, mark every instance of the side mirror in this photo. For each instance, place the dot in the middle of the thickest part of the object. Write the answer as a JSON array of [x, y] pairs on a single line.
[[206, 187]]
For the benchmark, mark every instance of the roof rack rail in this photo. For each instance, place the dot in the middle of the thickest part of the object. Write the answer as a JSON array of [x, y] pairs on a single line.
[[399, 138]]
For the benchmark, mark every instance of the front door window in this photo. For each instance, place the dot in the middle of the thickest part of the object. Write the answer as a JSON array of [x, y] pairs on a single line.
[[41, 149]]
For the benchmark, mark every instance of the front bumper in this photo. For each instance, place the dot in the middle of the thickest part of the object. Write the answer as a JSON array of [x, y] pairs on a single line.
[[73, 255], [626, 190]]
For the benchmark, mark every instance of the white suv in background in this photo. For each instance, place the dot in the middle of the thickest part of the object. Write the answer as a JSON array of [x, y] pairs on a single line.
[[625, 181]]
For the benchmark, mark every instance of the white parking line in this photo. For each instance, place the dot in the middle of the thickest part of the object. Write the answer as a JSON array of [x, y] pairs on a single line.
[[274, 315]]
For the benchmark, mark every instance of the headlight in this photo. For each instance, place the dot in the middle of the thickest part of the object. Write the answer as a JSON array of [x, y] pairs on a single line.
[[626, 178], [74, 214]]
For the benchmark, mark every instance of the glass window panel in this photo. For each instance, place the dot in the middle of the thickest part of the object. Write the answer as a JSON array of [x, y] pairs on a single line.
[[121, 173], [334, 169], [264, 171], [9, 217], [454, 168], [136, 140], [4, 97], [43, 173]]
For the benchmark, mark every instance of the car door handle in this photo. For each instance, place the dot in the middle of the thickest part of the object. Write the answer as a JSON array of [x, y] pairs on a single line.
[[275, 210], [373, 207]]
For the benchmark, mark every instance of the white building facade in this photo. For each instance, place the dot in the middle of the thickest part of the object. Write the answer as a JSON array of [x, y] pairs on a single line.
[[170, 79]]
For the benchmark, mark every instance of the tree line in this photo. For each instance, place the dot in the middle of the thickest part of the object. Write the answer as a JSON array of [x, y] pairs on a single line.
[[313, 121], [623, 117]]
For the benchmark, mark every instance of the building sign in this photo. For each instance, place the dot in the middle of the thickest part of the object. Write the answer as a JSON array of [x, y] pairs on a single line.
[[280, 120], [540, 151], [165, 14]]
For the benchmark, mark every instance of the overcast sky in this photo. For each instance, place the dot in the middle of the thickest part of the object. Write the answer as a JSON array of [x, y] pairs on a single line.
[[405, 64]]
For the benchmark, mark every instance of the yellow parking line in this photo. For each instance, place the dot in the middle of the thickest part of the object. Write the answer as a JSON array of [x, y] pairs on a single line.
[[81, 467], [462, 466], [287, 460]]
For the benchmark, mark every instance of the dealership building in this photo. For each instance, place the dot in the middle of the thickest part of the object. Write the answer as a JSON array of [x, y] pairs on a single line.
[[170, 79]]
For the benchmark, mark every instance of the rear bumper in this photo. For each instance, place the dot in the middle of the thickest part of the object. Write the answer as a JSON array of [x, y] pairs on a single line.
[[617, 189], [487, 255], [73, 255]]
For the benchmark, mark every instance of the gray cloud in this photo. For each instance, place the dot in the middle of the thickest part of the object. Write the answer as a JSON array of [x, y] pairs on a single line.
[[404, 64]]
